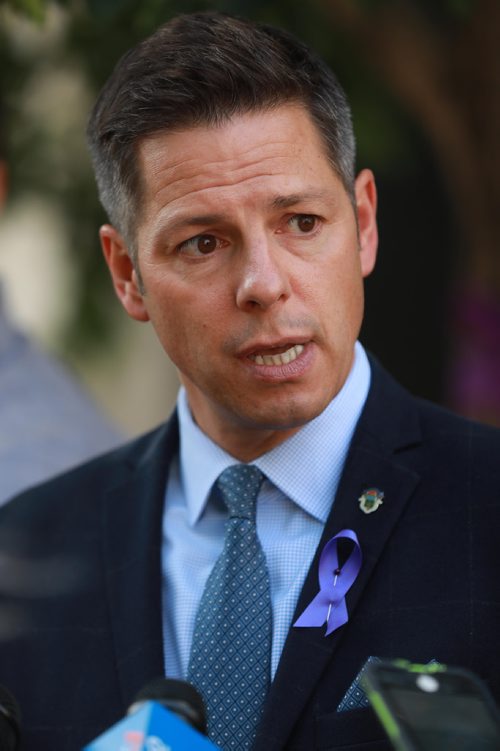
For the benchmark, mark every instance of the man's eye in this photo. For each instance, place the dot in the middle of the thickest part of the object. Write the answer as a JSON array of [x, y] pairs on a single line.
[[199, 245], [303, 223]]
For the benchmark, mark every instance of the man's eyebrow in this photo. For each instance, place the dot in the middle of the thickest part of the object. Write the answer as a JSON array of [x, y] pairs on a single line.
[[182, 220], [186, 220], [286, 202]]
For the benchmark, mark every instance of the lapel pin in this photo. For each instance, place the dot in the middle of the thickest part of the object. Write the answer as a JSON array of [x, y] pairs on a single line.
[[370, 500]]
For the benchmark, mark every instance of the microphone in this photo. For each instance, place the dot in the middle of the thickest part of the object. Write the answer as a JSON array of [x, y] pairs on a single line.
[[179, 697], [10, 721], [166, 715]]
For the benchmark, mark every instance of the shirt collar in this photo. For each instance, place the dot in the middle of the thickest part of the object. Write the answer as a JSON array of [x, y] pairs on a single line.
[[306, 467]]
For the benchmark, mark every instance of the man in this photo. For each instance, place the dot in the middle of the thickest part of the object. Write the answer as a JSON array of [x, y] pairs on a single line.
[[224, 156], [48, 423]]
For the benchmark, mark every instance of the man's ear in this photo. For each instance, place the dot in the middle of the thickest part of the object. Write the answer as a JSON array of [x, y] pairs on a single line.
[[366, 206], [123, 273]]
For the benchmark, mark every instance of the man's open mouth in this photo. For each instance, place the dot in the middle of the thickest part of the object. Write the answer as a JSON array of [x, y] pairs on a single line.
[[281, 358]]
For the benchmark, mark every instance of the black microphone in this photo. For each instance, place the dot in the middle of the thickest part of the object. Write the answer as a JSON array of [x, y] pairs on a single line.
[[10, 721], [166, 715], [179, 697]]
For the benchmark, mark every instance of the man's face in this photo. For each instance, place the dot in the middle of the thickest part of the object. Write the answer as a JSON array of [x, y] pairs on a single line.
[[252, 269]]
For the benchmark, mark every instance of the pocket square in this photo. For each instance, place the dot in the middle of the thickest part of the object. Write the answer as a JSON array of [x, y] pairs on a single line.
[[355, 697]]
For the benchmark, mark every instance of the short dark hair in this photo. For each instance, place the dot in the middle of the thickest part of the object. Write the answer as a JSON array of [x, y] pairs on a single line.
[[202, 69]]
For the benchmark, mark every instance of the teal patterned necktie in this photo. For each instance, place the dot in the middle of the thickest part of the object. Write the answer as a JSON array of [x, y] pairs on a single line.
[[231, 652]]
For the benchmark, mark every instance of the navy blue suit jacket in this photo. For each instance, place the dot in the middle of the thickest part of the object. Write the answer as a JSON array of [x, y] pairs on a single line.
[[80, 580]]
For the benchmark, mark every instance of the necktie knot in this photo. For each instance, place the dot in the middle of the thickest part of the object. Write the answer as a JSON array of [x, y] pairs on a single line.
[[239, 486]]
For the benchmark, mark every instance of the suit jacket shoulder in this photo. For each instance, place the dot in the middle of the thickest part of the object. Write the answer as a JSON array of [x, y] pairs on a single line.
[[428, 585], [80, 592]]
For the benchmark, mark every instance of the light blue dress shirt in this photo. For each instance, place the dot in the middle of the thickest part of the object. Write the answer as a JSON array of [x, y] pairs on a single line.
[[302, 475]]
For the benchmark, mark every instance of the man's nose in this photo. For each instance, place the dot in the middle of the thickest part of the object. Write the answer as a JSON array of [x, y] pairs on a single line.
[[263, 275]]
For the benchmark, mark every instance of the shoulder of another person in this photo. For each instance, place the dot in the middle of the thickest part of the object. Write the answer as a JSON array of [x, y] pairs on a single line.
[[83, 487]]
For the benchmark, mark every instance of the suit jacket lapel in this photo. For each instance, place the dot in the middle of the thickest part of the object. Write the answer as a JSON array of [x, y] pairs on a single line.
[[132, 534], [388, 425]]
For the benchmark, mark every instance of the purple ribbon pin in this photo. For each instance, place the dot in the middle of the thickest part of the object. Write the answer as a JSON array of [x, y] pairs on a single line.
[[329, 605]]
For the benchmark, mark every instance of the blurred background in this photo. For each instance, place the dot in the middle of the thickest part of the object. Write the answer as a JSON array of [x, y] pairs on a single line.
[[423, 78]]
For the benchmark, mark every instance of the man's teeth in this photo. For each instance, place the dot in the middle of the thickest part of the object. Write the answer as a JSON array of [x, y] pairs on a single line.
[[283, 359]]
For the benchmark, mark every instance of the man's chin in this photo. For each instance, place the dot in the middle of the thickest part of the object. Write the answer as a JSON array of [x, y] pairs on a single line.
[[288, 417]]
